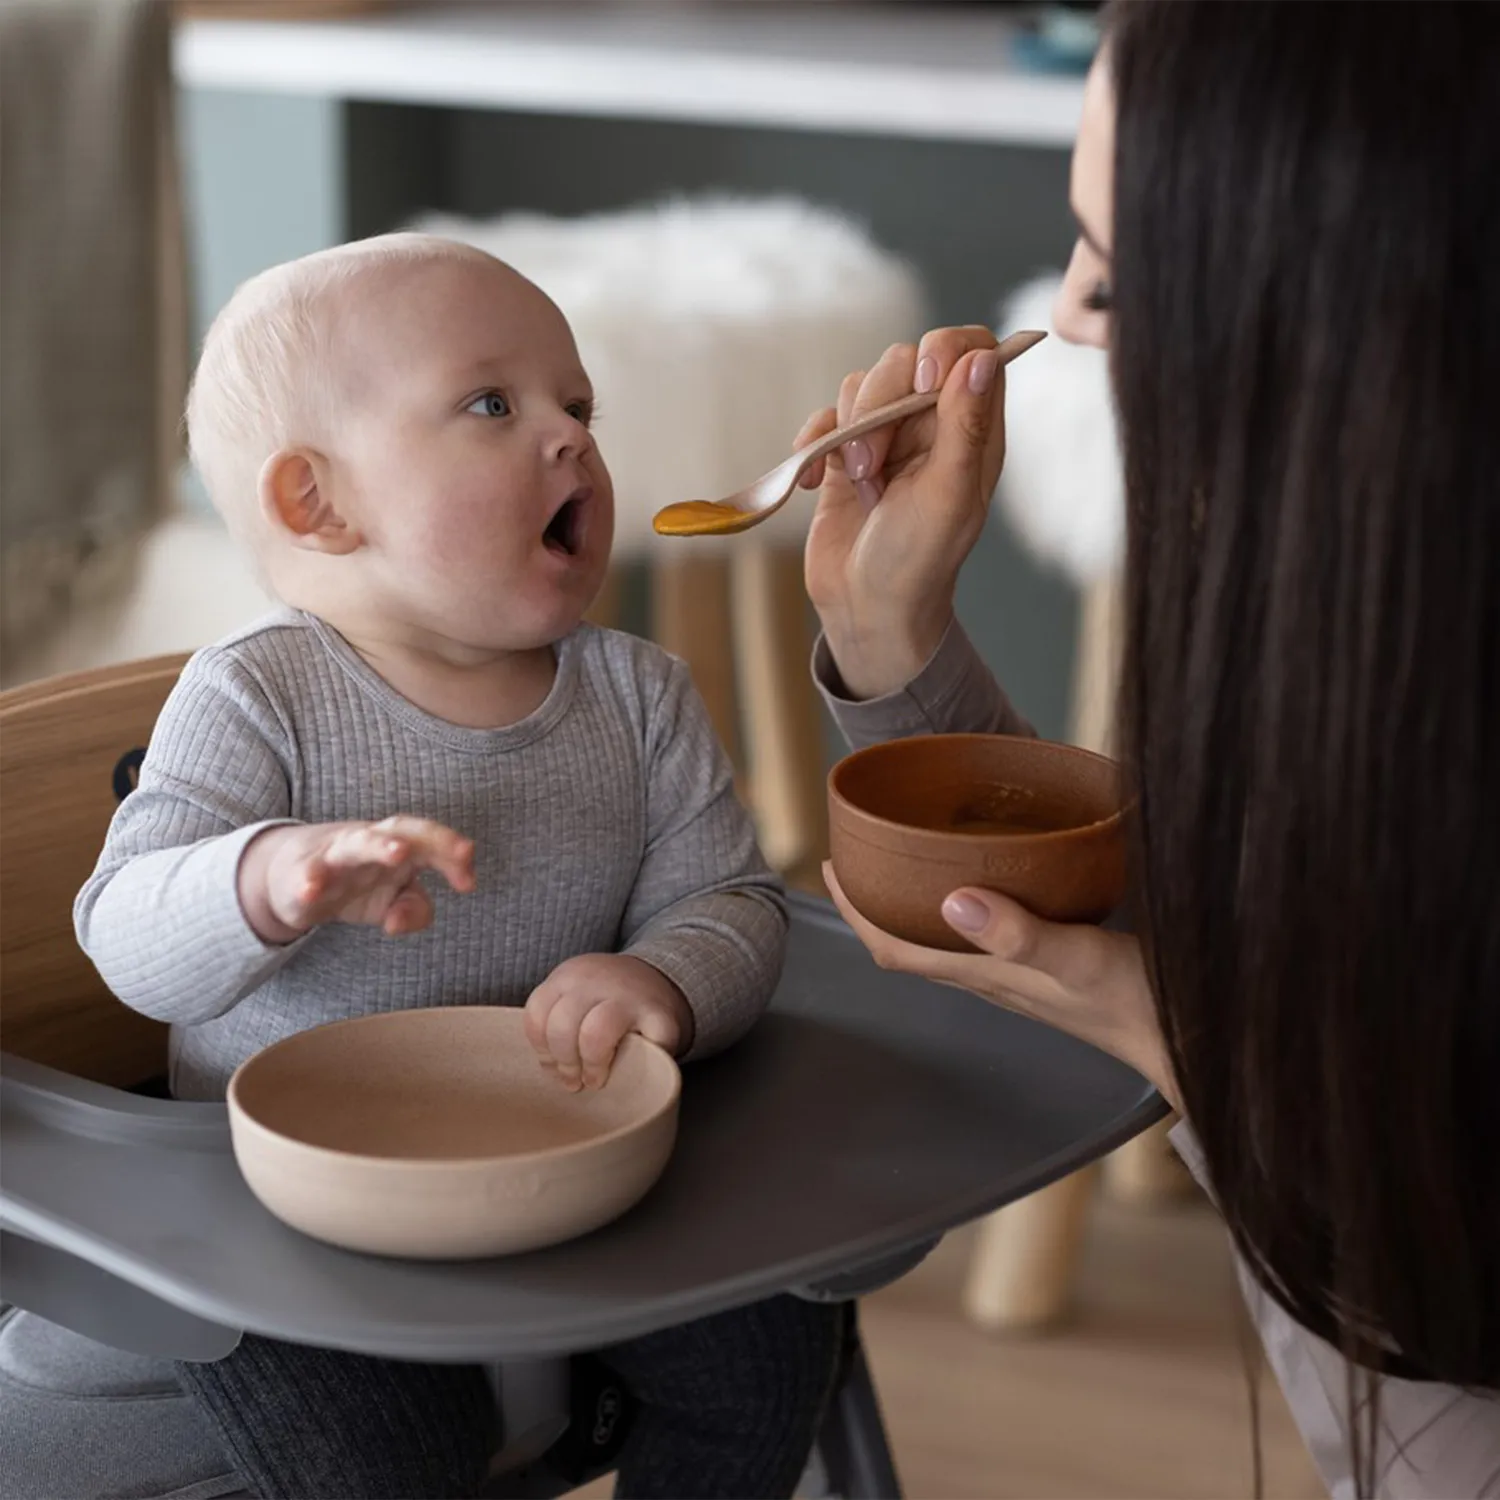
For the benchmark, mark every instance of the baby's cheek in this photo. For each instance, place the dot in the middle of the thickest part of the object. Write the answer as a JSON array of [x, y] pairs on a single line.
[[464, 538]]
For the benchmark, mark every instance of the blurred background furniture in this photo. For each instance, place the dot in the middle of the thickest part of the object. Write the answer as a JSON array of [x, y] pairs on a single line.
[[908, 120], [280, 10], [93, 359]]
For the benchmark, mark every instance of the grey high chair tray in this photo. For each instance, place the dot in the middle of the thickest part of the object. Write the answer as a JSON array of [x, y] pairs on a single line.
[[868, 1113]]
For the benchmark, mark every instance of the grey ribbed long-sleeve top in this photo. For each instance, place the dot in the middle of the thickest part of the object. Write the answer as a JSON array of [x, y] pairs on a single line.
[[606, 821]]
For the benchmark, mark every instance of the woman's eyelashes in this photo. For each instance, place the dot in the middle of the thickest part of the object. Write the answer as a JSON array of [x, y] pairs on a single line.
[[1098, 298]]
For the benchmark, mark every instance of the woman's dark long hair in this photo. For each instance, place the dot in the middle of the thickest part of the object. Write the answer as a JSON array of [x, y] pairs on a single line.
[[1306, 359]]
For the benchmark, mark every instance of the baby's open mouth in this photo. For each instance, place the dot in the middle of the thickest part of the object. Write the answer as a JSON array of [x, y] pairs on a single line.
[[564, 531]]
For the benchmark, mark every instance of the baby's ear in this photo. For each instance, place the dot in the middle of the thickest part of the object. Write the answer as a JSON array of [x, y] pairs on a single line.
[[295, 498]]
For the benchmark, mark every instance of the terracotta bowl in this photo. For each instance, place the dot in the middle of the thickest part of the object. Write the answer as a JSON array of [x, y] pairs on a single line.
[[436, 1134], [912, 820]]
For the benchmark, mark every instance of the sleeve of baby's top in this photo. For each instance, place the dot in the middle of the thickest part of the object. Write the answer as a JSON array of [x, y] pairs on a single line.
[[160, 916], [955, 693], [1434, 1439], [706, 910]]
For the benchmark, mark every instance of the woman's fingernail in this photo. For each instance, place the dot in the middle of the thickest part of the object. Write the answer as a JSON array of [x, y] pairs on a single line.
[[982, 371], [926, 374], [965, 913], [868, 492], [857, 458]]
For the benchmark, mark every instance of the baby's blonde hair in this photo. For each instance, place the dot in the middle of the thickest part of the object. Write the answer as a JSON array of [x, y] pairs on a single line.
[[266, 377]]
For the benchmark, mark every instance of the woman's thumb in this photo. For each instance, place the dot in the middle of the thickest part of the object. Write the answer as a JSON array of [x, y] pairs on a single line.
[[992, 922]]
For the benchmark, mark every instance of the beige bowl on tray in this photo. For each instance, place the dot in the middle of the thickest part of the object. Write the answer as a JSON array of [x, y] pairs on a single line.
[[437, 1135]]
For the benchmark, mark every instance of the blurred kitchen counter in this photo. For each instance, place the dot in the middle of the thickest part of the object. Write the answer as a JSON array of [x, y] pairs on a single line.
[[911, 71]]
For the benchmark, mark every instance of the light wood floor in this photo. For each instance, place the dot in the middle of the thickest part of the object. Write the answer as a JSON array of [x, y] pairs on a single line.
[[1141, 1396], [1142, 1393]]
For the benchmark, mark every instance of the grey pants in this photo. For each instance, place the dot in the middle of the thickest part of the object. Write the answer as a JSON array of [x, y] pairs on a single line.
[[728, 1406]]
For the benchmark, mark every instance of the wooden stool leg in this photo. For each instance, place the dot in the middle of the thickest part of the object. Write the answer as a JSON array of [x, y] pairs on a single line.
[[691, 618], [773, 641], [1097, 666], [1147, 1171], [1021, 1274]]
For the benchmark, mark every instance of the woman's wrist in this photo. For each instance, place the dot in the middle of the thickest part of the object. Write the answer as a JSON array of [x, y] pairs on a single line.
[[874, 663]]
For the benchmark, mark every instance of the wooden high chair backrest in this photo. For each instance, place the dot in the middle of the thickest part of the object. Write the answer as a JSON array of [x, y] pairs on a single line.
[[69, 750]]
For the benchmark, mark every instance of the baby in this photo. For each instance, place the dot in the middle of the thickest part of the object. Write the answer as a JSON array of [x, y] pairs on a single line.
[[426, 781]]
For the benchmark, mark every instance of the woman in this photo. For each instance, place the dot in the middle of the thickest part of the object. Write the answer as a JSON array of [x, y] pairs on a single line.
[[1289, 241]]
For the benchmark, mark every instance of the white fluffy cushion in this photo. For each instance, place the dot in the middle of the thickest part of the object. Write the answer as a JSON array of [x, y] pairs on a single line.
[[1062, 489], [711, 329]]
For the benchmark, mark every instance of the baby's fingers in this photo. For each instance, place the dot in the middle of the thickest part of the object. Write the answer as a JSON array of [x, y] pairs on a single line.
[[554, 1016], [313, 891], [411, 911], [431, 846], [361, 844], [538, 1007], [564, 1023], [599, 1038]]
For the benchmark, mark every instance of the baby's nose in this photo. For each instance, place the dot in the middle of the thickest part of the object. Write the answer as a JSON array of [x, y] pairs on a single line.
[[569, 439]]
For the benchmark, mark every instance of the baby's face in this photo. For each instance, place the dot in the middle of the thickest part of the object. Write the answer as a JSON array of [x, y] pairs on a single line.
[[468, 463]]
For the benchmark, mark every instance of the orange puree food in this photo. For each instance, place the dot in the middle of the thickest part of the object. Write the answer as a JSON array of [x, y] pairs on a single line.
[[699, 518]]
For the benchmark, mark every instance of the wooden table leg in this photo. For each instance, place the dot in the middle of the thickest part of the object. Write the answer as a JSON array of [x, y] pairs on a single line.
[[783, 721]]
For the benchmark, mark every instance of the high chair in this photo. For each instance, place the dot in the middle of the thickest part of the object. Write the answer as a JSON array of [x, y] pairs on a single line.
[[866, 1115], [69, 751]]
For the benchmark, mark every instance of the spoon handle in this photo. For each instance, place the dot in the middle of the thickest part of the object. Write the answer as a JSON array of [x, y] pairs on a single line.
[[909, 406]]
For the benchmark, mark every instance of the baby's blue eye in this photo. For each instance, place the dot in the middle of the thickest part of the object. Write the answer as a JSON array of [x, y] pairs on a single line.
[[491, 404]]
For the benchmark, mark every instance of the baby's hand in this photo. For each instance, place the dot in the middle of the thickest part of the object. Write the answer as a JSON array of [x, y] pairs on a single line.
[[297, 876], [578, 1016]]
